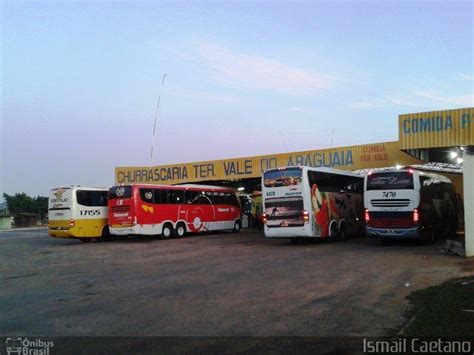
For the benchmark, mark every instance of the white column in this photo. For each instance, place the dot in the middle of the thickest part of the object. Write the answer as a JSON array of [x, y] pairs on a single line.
[[468, 166]]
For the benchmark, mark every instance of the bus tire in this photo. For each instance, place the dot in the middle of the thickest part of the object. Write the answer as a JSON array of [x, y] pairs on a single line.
[[167, 231], [105, 236], [333, 235], [180, 230], [85, 240], [237, 227], [342, 234]]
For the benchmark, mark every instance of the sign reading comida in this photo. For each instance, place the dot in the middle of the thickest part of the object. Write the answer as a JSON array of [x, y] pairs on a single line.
[[436, 129]]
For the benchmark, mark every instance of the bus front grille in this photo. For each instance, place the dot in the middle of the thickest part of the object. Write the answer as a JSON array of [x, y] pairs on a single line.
[[402, 202]]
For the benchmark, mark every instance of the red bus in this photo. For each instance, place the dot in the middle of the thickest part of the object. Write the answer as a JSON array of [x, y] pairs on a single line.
[[172, 210]]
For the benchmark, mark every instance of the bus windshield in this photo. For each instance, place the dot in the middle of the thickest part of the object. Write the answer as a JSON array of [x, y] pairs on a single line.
[[390, 181], [120, 192], [286, 177]]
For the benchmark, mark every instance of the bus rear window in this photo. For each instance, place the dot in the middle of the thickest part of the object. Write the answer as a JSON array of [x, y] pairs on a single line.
[[120, 192], [278, 178], [390, 181]]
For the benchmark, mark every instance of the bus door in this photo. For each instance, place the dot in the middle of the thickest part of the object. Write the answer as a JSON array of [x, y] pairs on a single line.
[[200, 212]]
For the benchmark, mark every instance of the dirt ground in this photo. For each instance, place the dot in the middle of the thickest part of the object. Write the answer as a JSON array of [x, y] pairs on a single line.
[[212, 285]]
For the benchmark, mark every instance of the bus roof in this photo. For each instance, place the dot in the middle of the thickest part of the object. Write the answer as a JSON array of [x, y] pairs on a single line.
[[207, 187], [183, 187], [322, 170], [75, 187]]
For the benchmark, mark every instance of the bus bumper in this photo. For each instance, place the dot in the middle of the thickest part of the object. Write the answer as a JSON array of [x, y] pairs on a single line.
[[289, 232], [60, 233], [123, 231], [406, 233]]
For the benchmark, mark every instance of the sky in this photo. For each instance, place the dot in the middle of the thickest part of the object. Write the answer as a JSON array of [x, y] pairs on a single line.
[[80, 81]]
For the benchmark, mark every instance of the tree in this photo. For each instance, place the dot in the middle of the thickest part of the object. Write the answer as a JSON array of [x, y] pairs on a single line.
[[22, 203]]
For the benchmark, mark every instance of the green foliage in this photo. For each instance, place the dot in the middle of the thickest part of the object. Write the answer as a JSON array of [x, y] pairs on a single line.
[[442, 311], [22, 203]]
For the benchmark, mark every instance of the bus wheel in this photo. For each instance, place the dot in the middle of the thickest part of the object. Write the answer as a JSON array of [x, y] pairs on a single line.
[[167, 231], [180, 230], [105, 237], [332, 233], [342, 235], [237, 227], [85, 240]]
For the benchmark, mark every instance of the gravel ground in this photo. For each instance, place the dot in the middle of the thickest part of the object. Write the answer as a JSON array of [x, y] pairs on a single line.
[[212, 285]]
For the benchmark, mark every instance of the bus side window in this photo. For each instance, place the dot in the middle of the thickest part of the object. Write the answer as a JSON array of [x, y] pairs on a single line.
[[218, 198], [146, 195], [82, 198], [175, 196], [190, 195], [231, 199], [160, 197], [359, 186], [214, 197], [201, 200], [103, 197]]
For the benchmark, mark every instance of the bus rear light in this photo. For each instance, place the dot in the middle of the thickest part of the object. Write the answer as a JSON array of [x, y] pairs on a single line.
[[411, 171], [306, 216], [264, 218], [367, 215], [416, 215], [72, 223]]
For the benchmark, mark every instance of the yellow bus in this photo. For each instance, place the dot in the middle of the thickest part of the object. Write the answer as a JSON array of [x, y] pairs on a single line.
[[78, 212]]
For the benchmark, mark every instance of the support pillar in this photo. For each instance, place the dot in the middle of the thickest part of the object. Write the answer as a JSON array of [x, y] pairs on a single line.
[[468, 166]]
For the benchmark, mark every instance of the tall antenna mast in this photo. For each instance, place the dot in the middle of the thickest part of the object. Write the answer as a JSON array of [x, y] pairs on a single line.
[[156, 119]]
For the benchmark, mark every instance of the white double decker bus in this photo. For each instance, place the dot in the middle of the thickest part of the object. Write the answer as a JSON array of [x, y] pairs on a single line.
[[305, 202], [406, 203]]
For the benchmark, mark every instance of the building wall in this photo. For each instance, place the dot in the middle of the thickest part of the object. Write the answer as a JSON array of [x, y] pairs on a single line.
[[5, 222]]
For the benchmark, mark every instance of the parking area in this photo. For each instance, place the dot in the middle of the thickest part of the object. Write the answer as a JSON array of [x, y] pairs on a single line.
[[212, 285]]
